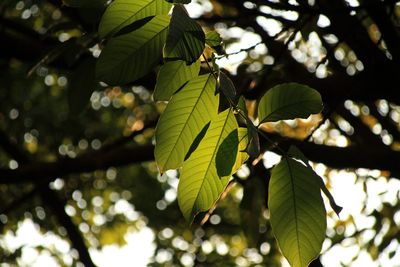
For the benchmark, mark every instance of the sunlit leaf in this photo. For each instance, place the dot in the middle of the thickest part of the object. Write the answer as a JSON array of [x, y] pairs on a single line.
[[202, 180], [121, 13], [297, 212], [128, 57], [242, 156], [172, 76], [289, 101], [185, 37], [185, 116], [296, 153]]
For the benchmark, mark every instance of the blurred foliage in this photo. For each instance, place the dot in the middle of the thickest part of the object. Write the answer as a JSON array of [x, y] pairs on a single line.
[[37, 91]]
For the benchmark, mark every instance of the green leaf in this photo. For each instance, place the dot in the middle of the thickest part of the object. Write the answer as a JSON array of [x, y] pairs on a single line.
[[201, 183], [185, 38], [213, 39], [187, 113], [82, 84], [296, 153], [297, 212], [172, 76], [242, 156], [122, 13], [253, 146], [227, 87], [128, 57], [289, 101]]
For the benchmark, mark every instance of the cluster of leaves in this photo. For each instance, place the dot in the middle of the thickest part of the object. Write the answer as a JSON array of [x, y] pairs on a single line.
[[199, 130]]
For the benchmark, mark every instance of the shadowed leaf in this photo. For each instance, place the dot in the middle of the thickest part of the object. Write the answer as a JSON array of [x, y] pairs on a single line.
[[289, 101]]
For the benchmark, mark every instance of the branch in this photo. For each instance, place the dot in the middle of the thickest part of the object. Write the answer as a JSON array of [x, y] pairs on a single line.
[[352, 157], [57, 206], [49, 198], [39, 171]]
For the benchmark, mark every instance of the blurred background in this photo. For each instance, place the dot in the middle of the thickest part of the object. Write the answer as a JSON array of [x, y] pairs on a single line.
[[78, 184]]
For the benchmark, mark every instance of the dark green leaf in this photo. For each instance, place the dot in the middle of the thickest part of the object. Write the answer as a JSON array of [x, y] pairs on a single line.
[[185, 38], [289, 101], [227, 87], [253, 147], [213, 39]]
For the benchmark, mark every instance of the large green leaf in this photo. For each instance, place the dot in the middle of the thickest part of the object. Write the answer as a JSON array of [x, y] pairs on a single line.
[[298, 216], [122, 13], [201, 183], [187, 113], [294, 152], [186, 39], [289, 101], [172, 76], [128, 57]]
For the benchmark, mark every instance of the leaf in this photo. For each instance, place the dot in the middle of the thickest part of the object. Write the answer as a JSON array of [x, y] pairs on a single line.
[[172, 76], [227, 87], [82, 84], [200, 186], [242, 156], [289, 101], [298, 216], [185, 116], [253, 146], [122, 13], [185, 37], [213, 39], [296, 153], [128, 57]]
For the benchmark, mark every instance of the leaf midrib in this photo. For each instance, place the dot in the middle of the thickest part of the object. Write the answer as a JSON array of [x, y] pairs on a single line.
[[185, 124], [176, 73], [122, 23], [294, 206], [284, 107], [139, 48], [209, 164]]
